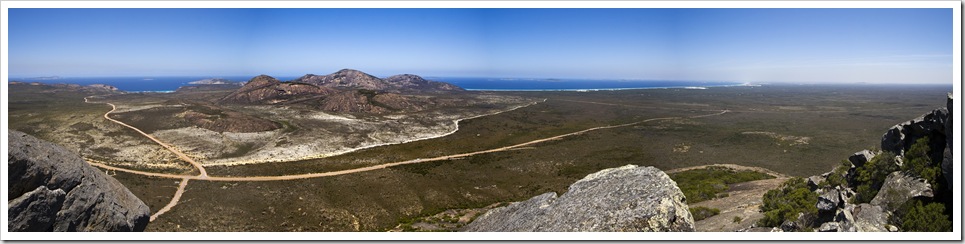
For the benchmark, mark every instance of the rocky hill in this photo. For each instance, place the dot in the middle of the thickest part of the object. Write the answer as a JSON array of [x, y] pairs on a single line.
[[354, 79], [628, 198], [346, 91], [265, 89], [53, 189], [345, 78], [417, 83]]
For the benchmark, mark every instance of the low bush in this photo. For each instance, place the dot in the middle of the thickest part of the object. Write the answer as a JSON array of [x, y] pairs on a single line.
[[837, 177], [700, 213], [918, 163], [704, 184], [926, 218], [787, 202], [870, 176]]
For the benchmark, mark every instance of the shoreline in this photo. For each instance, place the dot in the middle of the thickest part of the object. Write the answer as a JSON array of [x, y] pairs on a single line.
[[615, 89]]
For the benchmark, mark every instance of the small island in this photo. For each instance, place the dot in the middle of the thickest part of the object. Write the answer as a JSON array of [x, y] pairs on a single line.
[[215, 81]]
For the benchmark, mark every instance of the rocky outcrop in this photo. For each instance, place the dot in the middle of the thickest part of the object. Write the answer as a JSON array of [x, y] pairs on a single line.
[[829, 227], [870, 218], [843, 219], [416, 83], [628, 198], [265, 89], [838, 212], [102, 87], [947, 160], [858, 159], [900, 187], [900, 137], [345, 78], [814, 181], [829, 200], [53, 189]]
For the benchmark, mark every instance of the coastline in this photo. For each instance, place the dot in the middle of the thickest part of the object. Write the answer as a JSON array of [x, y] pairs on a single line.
[[615, 89]]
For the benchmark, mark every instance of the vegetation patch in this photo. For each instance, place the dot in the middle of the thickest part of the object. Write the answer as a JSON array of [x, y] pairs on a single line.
[[787, 202], [919, 164], [922, 217], [708, 183], [870, 176], [701, 213], [838, 176]]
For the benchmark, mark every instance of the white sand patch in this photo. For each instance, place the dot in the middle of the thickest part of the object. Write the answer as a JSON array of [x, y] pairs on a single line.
[[128, 108], [328, 117], [793, 140], [372, 133]]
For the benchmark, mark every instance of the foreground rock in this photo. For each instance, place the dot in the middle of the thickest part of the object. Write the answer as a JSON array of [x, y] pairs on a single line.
[[870, 218], [900, 187], [52, 189], [628, 198], [829, 200]]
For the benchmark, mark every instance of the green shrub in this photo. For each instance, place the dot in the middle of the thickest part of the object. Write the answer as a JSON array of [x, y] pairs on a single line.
[[786, 203], [837, 177], [926, 218], [870, 176], [737, 219], [704, 184], [918, 163], [700, 213]]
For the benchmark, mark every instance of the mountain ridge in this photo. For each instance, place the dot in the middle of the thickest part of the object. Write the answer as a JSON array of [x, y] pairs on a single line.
[[345, 91]]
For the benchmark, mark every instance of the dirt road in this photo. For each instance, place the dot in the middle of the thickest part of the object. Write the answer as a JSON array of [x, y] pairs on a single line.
[[204, 175], [174, 200], [380, 166]]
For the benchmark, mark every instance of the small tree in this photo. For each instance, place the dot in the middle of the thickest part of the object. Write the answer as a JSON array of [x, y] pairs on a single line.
[[870, 176], [837, 177], [918, 163], [786, 203], [926, 218]]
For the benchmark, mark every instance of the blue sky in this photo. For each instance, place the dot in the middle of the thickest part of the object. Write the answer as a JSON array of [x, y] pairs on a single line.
[[757, 45]]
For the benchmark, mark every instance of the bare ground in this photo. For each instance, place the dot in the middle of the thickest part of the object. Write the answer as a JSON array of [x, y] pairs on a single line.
[[743, 200]]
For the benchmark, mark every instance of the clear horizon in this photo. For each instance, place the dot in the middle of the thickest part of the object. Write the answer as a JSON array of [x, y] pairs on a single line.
[[908, 46]]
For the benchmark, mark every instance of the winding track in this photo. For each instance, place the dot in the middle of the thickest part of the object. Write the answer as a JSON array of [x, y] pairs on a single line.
[[204, 175]]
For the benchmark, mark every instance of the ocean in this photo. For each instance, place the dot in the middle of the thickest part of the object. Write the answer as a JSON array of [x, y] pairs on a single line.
[[168, 84]]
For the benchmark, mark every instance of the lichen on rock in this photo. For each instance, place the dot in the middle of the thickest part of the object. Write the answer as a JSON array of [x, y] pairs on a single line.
[[628, 198]]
